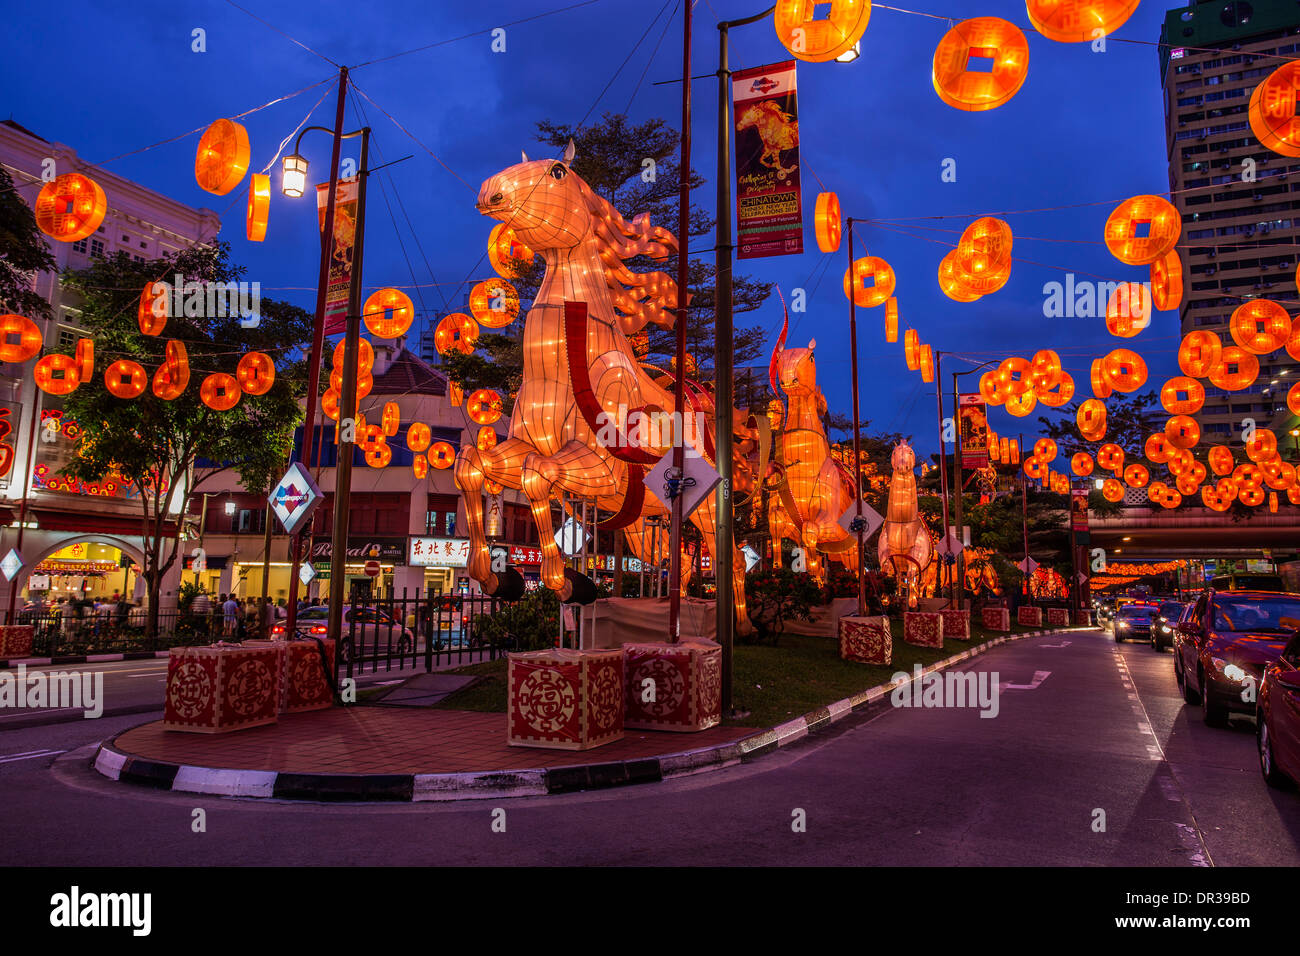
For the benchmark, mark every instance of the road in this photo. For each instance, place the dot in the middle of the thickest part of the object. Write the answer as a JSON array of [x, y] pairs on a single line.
[[1083, 725]]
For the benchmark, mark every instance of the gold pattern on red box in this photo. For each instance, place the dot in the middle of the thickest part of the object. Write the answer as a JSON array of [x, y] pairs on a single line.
[[687, 679], [213, 690], [565, 699], [867, 640], [923, 628]]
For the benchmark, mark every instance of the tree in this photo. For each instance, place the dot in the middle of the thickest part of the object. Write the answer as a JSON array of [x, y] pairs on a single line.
[[1129, 420], [153, 444], [23, 253]]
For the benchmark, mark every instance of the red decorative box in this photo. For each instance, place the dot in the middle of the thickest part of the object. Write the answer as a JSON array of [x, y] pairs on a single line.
[[997, 618], [302, 684], [956, 623], [867, 640], [565, 699], [16, 640], [687, 680], [1029, 616], [923, 628], [1083, 618], [213, 690], [1058, 617]]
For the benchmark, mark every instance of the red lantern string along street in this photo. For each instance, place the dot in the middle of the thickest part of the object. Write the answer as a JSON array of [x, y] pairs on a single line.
[[391, 419], [484, 407], [1124, 370], [85, 359], [20, 338], [1111, 457], [1182, 395], [1163, 222], [1260, 326], [441, 455], [891, 320], [220, 392], [1199, 352], [505, 251], [494, 303], [222, 157], [1237, 369], [418, 437], [388, 313], [961, 83], [70, 207], [173, 376], [1167, 281], [882, 282], [125, 379], [255, 373], [1128, 311], [1182, 431], [1078, 21], [455, 333], [818, 40], [1272, 112], [259, 207], [57, 374], [826, 222], [154, 308], [1081, 464]]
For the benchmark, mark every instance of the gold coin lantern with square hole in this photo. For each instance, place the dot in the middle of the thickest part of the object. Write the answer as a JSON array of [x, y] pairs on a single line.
[[173, 376], [1182, 395], [1221, 460], [484, 406], [125, 379], [1187, 483], [391, 419], [20, 338], [1112, 490], [1261, 446], [1260, 326], [951, 281], [1128, 311], [1014, 376], [1111, 457], [1091, 419], [1272, 112], [1035, 467], [980, 38], [418, 436], [1045, 370], [1157, 448], [365, 357], [1063, 393], [388, 313], [881, 275], [56, 374], [70, 207], [1081, 464], [1170, 499], [1150, 214], [1078, 21], [1045, 450], [1021, 405], [455, 333], [1100, 387], [984, 254], [826, 222], [1124, 370], [1237, 369], [505, 252], [441, 455], [494, 303], [1136, 476], [1213, 500], [819, 39], [1199, 352], [1167, 281], [222, 157], [220, 392], [255, 373], [259, 207], [1182, 431]]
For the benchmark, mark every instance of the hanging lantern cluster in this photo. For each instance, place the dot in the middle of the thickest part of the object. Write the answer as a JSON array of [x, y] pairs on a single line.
[[981, 263], [329, 400]]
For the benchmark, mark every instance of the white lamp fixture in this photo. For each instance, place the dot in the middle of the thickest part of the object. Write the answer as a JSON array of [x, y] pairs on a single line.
[[293, 181]]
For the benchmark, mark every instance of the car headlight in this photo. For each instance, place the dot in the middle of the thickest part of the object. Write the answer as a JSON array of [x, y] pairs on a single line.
[[1121, 623], [1233, 672], [1166, 628]]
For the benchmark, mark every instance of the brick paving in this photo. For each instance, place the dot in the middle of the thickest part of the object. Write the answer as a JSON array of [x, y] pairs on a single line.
[[377, 740]]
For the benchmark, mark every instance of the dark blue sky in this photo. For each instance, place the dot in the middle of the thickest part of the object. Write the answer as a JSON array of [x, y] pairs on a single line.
[[1086, 127]]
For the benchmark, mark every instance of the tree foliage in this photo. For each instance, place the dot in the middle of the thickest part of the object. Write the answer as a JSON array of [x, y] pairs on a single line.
[[23, 253]]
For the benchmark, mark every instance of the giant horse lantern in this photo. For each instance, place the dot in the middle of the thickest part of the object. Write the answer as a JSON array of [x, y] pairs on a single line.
[[581, 374], [905, 546]]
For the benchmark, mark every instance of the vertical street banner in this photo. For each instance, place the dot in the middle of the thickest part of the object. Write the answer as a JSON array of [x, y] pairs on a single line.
[[769, 215], [973, 425], [339, 284], [1079, 509]]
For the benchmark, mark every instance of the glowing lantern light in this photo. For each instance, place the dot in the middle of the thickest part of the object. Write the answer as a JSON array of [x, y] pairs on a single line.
[[125, 379], [881, 275], [819, 40], [365, 382], [484, 408], [173, 376], [1213, 500], [365, 357], [505, 248], [222, 157], [1272, 111], [85, 359], [418, 436], [1182, 385], [154, 308], [1237, 369], [1164, 222], [1167, 281], [951, 282], [1021, 405], [70, 207], [1251, 496], [1199, 352], [1045, 370], [1014, 452], [1124, 370], [891, 320], [441, 455], [1111, 457], [1045, 449], [826, 222], [1157, 448], [912, 349], [391, 419], [1293, 399], [1128, 311], [1112, 490], [980, 38], [329, 404], [1187, 484], [379, 456], [255, 373], [982, 260], [1100, 387], [1248, 473], [1014, 376], [1091, 418], [1293, 495], [1081, 464], [1034, 467], [494, 303], [1260, 326], [487, 438], [927, 364], [1065, 392], [991, 389], [259, 207], [20, 338], [1180, 461], [57, 374], [1278, 474], [420, 465], [1262, 446], [388, 313], [1170, 499], [1220, 457], [1136, 476], [1272, 502], [1182, 431], [455, 333], [1079, 21], [220, 392]]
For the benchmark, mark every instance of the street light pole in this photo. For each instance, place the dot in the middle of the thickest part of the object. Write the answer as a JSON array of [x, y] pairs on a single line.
[[858, 521], [943, 467]]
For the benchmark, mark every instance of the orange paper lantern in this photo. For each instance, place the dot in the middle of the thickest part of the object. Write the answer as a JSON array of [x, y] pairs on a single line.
[[222, 157], [1124, 370], [1111, 457], [1182, 431], [1078, 21], [927, 364], [1251, 495], [1237, 369], [1164, 222], [125, 379], [912, 349], [1214, 500], [379, 455], [988, 38], [441, 455], [220, 392], [57, 374], [173, 376], [255, 373], [1167, 281], [418, 436], [815, 39], [1262, 446], [1157, 448], [1293, 399], [259, 207], [154, 308], [1100, 387], [1035, 467], [881, 275], [1063, 394], [391, 419], [1045, 449], [991, 388], [1182, 385], [484, 407], [1128, 310], [1278, 474], [1187, 483], [1045, 370], [1021, 405], [329, 405], [952, 282], [826, 222], [1170, 499], [455, 333], [891, 320], [70, 207], [1014, 376], [1220, 457], [1272, 111], [85, 359], [494, 303], [1199, 352], [1136, 476], [506, 252], [1081, 464], [365, 357], [420, 465], [1091, 417], [1260, 326], [388, 313], [20, 338], [487, 438], [1112, 490]]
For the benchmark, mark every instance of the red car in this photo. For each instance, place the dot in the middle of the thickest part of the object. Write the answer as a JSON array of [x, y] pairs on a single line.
[[1277, 723], [1224, 642]]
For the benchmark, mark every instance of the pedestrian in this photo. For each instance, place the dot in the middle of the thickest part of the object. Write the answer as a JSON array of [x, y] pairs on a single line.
[[230, 615], [281, 610]]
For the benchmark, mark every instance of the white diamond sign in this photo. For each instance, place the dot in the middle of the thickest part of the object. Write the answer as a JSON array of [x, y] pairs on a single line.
[[752, 559], [699, 480], [1029, 565], [11, 564], [571, 537], [870, 515], [306, 573], [294, 498], [950, 544]]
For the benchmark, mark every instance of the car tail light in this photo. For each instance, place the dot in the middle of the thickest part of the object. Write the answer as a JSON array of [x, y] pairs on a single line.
[[317, 629], [277, 629]]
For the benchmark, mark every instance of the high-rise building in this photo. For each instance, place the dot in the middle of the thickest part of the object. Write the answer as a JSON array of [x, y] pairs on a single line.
[[1240, 202]]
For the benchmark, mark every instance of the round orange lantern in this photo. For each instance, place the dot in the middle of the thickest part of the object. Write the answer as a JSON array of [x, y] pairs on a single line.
[[1187, 483], [1293, 399], [927, 363], [154, 308], [20, 338], [819, 40], [1111, 457], [1262, 446], [1045, 371], [57, 374], [1035, 467], [487, 438], [882, 278], [912, 349], [70, 207], [494, 303], [455, 333], [983, 259], [1014, 376], [220, 392], [1124, 370], [1180, 461], [418, 436], [222, 157], [329, 403], [1012, 454], [420, 465], [1278, 474], [1157, 448], [1045, 449], [85, 359], [1237, 369], [1091, 417], [1136, 476], [1021, 405], [1100, 387], [1272, 112], [484, 407], [991, 389], [1228, 488], [125, 379], [379, 455], [1182, 431], [1251, 496], [891, 319], [365, 382], [952, 282], [1181, 385], [1260, 326], [826, 222], [173, 376], [1112, 490], [256, 373], [1220, 457], [441, 455], [1167, 281], [391, 419], [365, 357], [1081, 464], [1164, 222], [1078, 22], [1128, 310], [505, 251], [1170, 499], [1293, 494], [259, 207], [388, 313], [1199, 352], [984, 38], [1213, 500], [1196, 470], [1065, 392]]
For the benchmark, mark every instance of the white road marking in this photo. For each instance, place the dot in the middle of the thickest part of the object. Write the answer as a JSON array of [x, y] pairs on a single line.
[[1039, 677], [31, 755]]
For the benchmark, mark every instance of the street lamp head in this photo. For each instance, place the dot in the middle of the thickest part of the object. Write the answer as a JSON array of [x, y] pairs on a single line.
[[293, 181], [851, 54], [230, 507]]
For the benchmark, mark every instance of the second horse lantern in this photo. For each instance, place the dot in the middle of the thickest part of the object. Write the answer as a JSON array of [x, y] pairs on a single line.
[[905, 546], [582, 380]]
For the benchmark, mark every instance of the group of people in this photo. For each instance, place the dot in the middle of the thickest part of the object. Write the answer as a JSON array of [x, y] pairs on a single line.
[[72, 613], [239, 619]]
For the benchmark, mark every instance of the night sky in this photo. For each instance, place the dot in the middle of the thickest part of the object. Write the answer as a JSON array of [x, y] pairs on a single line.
[[1085, 128]]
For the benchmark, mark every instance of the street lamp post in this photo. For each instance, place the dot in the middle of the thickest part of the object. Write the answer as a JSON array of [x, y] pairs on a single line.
[[957, 483]]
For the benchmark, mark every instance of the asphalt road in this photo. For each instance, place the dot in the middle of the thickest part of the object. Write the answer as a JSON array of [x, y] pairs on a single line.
[[1083, 725]]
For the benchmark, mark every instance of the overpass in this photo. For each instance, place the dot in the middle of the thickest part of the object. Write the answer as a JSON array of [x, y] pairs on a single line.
[[1138, 534]]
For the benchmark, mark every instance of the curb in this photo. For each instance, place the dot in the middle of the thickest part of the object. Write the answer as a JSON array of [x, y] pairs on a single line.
[[82, 659], [424, 787]]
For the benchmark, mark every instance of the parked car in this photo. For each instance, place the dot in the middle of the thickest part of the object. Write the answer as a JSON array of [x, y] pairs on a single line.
[[1162, 632], [1223, 644], [1135, 622], [368, 627], [1247, 582], [1277, 719]]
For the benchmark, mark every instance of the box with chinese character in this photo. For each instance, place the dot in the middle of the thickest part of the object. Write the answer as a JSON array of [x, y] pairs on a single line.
[[673, 686], [1029, 616], [956, 623], [923, 628], [1058, 617], [996, 618], [565, 699], [867, 640], [306, 673], [213, 690], [1082, 618], [16, 640]]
